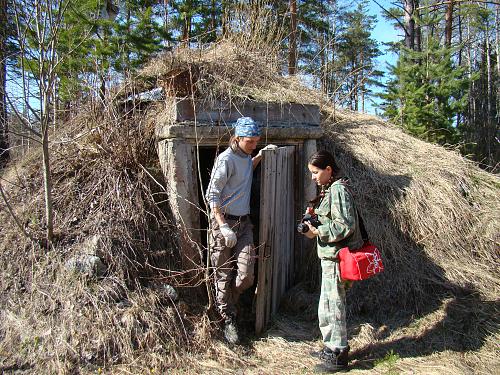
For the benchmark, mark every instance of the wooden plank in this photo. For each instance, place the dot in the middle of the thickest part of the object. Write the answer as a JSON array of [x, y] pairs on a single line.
[[299, 206], [284, 229], [285, 232], [287, 185], [260, 308], [269, 270], [277, 243], [222, 112], [291, 215]]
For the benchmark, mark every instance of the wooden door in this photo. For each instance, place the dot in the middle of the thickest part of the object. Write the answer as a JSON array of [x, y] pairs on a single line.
[[276, 232]]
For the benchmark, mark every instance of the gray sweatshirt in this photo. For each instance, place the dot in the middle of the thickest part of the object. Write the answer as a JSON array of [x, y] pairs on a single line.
[[231, 182]]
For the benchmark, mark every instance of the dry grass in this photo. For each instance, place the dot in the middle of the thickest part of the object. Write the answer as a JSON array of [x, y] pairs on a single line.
[[434, 215], [54, 321], [228, 72], [424, 346]]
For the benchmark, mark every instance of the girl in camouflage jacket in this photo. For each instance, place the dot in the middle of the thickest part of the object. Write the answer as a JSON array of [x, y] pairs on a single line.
[[338, 228]]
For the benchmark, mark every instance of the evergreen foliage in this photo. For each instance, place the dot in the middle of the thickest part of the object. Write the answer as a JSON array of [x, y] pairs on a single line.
[[441, 93], [357, 54], [427, 93]]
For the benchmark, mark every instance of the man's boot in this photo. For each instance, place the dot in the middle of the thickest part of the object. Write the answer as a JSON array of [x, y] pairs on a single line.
[[333, 360], [231, 331]]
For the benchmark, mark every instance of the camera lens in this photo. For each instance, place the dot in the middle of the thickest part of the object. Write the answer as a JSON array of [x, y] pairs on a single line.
[[302, 228]]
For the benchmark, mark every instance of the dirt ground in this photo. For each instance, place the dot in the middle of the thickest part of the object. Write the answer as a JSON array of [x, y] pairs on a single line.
[[434, 343]]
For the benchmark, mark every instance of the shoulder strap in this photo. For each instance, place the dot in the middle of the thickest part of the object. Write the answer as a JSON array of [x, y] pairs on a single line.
[[364, 233]]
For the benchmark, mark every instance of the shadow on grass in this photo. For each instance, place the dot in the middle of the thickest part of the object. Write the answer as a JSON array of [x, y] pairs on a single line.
[[465, 324], [412, 300]]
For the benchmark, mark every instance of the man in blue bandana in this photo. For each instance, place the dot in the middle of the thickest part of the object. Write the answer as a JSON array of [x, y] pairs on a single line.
[[231, 237]]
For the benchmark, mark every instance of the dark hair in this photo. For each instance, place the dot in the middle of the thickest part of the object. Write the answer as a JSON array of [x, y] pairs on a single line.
[[321, 160]]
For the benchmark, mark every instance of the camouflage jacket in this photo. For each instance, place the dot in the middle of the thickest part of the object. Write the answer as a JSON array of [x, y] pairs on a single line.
[[339, 221]]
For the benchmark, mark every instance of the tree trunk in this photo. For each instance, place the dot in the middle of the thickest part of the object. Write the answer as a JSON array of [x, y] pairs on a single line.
[[323, 52], [490, 133], [225, 17], [47, 183], [213, 20], [292, 53], [46, 77], [165, 19], [409, 21], [460, 37], [4, 144], [418, 29], [54, 103], [186, 29], [470, 62], [361, 84], [497, 22], [102, 88], [448, 23]]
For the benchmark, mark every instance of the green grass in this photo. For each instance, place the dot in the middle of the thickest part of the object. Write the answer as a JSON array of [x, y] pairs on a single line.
[[389, 361]]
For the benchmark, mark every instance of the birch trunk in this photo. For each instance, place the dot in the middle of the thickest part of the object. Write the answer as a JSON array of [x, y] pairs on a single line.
[[4, 143]]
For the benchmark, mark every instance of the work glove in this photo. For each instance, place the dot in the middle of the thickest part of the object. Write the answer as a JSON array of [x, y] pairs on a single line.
[[228, 234], [268, 147]]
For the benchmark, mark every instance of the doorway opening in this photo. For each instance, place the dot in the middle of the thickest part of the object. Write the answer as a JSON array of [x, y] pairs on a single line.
[[207, 155]]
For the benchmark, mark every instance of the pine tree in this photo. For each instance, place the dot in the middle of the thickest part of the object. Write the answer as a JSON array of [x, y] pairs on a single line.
[[480, 124], [426, 94], [184, 14], [137, 34], [312, 26], [357, 54]]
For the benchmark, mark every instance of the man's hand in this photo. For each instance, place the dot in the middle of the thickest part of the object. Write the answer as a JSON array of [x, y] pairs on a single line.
[[268, 147], [228, 234]]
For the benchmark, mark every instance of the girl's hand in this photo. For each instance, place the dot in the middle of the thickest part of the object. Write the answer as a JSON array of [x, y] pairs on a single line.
[[312, 232]]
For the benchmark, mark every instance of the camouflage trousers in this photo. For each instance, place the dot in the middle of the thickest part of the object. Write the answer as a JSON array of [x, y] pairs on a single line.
[[331, 308], [233, 267]]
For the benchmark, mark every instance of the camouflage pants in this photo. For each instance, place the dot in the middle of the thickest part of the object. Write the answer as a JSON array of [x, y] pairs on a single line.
[[233, 267], [331, 308]]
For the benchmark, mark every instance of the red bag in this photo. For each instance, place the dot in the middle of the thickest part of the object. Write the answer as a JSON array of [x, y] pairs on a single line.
[[360, 264]]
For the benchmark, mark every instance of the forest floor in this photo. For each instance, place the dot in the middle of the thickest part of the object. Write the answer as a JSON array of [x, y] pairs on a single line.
[[429, 344]]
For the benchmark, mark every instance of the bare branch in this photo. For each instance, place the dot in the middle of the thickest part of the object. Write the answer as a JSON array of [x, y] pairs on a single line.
[[391, 15], [23, 120], [13, 215], [455, 2]]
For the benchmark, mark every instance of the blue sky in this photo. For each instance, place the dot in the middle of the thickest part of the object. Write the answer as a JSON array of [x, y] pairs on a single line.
[[384, 32]]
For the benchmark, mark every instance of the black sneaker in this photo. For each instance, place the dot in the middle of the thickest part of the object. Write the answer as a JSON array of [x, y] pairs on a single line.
[[319, 353], [333, 360], [231, 332]]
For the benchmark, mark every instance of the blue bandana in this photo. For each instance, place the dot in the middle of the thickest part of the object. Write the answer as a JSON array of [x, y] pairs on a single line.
[[246, 127]]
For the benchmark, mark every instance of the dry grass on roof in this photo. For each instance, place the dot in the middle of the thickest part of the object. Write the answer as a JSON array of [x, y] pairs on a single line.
[[435, 214], [229, 72]]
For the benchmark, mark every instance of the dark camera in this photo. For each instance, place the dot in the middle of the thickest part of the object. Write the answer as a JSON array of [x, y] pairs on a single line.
[[313, 219]]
